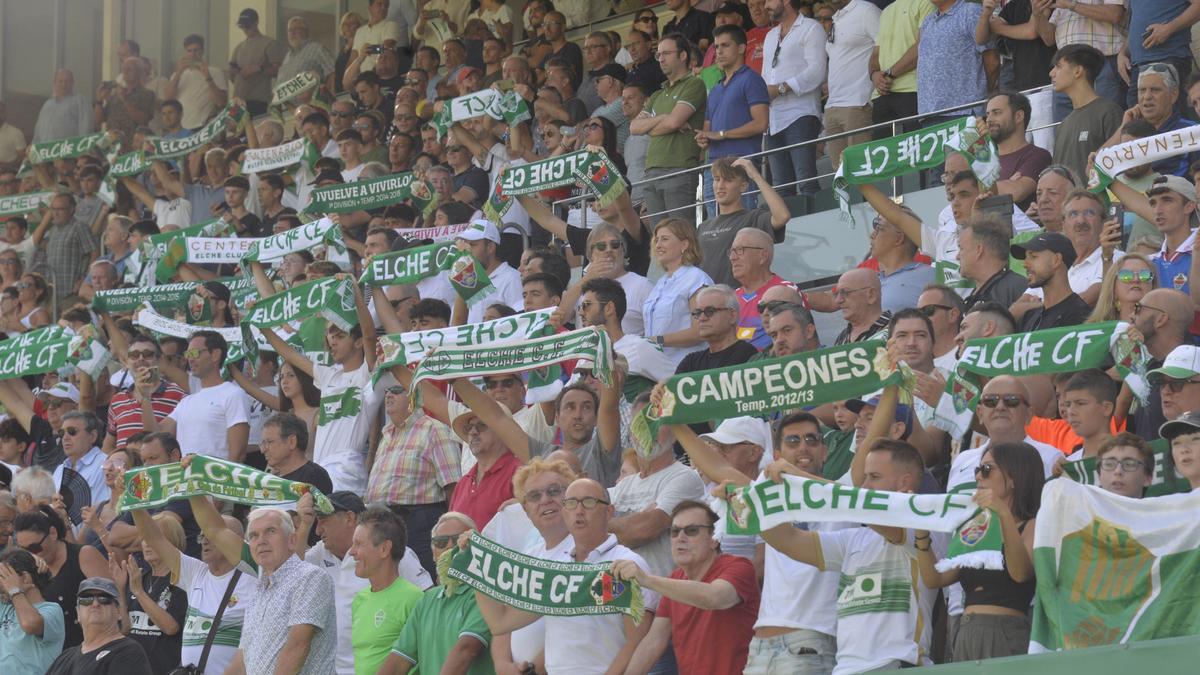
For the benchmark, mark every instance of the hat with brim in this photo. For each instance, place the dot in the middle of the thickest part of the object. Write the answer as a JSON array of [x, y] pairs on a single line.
[[743, 430], [460, 422], [100, 585], [1183, 363], [1187, 423], [63, 390]]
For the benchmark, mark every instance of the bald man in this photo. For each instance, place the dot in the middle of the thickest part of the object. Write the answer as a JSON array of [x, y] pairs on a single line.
[[859, 298], [750, 259], [1163, 321]]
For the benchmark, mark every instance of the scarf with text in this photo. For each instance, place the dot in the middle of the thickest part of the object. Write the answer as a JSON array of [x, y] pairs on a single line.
[[1054, 350], [286, 91], [52, 349], [157, 323], [508, 107], [406, 348], [178, 300], [165, 252], [594, 171], [362, 195], [467, 276], [150, 487], [17, 205], [330, 298], [545, 587], [435, 232], [129, 164], [876, 161], [231, 118], [64, 148], [308, 236], [1112, 161], [268, 159]]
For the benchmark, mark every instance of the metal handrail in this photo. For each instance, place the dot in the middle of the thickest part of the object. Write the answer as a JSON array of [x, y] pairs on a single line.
[[589, 25]]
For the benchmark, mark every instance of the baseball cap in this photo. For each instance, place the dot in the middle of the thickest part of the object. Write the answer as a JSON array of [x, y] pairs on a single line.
[[344, 500], [465, 71], [63, 390], [480, 229], [1047, 241], [247, 17], [1176, 184], [1181, 364], [903, 411], [743, 430], [613, 70], [1187, 423], [105, 586]]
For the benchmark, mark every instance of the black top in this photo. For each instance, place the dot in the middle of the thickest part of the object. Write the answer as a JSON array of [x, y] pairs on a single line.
[[737, 353], [573, 55], [1148, 418], [476, 179], [695, 26], [47, 446], [995, 587], [1070, 312], [122, 656], [63, 588], [1003, 288], [163, 650], [1030, 58], [314, 475], [648, 74]]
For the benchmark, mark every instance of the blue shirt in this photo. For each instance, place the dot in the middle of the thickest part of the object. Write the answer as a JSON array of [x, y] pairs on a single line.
[[21, 652], [949, 63], [1146, 12], [90, 467], [1177, 165], [901, 288], [728, 108], [1173, 269], [202, 198], [666, 308]]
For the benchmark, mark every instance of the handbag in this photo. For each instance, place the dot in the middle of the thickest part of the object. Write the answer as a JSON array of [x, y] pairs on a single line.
[[198, 669]]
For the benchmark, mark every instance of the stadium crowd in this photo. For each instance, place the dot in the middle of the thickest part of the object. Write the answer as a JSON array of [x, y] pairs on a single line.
[[678, 271]]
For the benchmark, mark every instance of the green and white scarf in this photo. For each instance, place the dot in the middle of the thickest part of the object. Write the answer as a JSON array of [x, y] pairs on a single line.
[[286, 91], [947, 273], [592, 170], [1054, 350], [361, 195], [48, 351], [166, 251], [508, 106], [889, 158], [231, 117], [216, 250], [978, 544], [545, 587], [537, 355], [1117, 159], [153, 321], [1162, 482], [129, 164], [306, 237], [763, 505], [406, 348], [150, 487], [330, 298], [64, 148], [17, 205], [467, 276], [436, 232], [268, 159]]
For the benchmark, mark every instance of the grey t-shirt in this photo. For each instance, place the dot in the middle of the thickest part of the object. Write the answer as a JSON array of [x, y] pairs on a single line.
[[602, 466], [716, 237]]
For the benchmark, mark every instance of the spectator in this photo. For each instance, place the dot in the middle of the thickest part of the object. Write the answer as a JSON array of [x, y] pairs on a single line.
[[750, 256], [561, 78], [1163, 27], [1054, 184], [952, 69], [438, 22], [45, 433], [1125, 465], [1047, 257], [1092, 118], [1171, 203], [944, 308], [202, 194], [1099, 24], [983, 258], [33, 635], [1157, 103], [633, 102], [1016, 25], [1083, 223], [81, 444], [1007, 117], [791, 330], [610, 84], [850, 48], [199, 88], [858, 297], [255, 61], [482, 238], [678, 253], [794, 75], [604, 304], [732, 178], [65, 114], [99, 618], [380, 610], [597, 53], [693, 24], [554, 30], [122, 108], [644, 69], [1124, 285], [68, 244], [714, 313], [305, 55], [153, 607], [893, 64]]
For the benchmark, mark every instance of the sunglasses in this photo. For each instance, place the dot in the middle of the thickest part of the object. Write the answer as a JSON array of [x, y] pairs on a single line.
[[1174, 385], [195, 352], [588, 503], [603, 246], [811, 440], [771, 305], [1128, 465], [1138, 307], [71, 431], [397, 390], [86, 600], [1128, 276], [984, 470], [586, 306], [708, 312], [36, 548], [506, 383], [930, 310], [143, 354], [553, 492], [689, 530], [1009, 400], [441, 540], [475, 426]]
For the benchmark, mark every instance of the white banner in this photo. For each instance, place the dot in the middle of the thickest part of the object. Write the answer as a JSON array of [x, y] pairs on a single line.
[[152, 320], [266, 159], [506, 330], [217, 250], [436, 233]]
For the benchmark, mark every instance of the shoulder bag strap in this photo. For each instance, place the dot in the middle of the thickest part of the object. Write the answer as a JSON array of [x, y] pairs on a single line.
[[212, 632]]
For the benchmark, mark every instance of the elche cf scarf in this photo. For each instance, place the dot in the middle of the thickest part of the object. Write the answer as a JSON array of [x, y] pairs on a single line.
[[1054, 350], [154, 486], [594, 171], [289, 90], [231, 118], [466, 274], [17, 205], [65, 148], [1111, 569], [330, 298], [308, 236], [52, 349], [508, 106], [406, 348], [539, 586], [889, 158]]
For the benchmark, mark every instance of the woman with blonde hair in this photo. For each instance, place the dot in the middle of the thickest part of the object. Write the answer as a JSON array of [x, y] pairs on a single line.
[[1123, 286], [665, 312], [153, 608]]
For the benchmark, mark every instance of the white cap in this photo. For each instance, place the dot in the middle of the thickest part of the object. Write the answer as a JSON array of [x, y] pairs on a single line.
[[63, 390], [480, 229], [744, 430], [1181, 364]]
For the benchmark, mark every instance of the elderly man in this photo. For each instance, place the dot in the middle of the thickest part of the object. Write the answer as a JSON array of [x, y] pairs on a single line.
[[750, 260], [102, 277], [81, 444], [199, 88], [65, 114], [68, 244], [858, 297], [292, 626], [304, 55], [1054, 184], [104, 649], [582, 644], [202, 193], [123, 108], [1158, 88], [714, 311]]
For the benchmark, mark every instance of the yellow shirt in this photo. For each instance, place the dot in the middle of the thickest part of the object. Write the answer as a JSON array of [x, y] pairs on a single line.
[[899, 28]]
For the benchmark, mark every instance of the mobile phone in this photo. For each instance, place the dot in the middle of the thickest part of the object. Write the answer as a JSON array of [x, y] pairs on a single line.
[[375, 49], [1117, 212], [152, 373], [1001, 205], [566, 130]]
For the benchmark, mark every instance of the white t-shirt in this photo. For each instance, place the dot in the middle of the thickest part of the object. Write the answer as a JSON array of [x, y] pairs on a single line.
[[664, 489], [530, 641], [351, 175], [204, 593], [192, 94], [644, 357], [798, 595], [508, 291], [343, 424], [177, 212], [25, 250], [437, 287], [202, 418], [942, 243], [857, 26]]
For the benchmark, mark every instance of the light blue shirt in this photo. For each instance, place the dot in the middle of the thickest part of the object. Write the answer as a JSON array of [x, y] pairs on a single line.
[[25, 654], [901, 288], [91, 467], [666, 308]]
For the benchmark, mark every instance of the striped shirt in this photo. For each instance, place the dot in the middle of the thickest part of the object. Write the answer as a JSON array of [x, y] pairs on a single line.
[[1071, 27], [414, 463], [125, 412]]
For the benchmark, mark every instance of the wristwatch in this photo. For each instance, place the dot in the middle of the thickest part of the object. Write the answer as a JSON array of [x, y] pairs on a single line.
[[14, 591], [888, 73], [782, 88], [722, 134], [660, 340]]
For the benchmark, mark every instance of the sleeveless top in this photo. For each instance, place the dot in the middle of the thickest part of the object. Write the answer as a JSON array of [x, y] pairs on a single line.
[[996, 587], [62, 589], [25, 320]]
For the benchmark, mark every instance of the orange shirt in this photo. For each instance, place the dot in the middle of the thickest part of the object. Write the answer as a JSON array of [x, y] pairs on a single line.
[[1058, 433]]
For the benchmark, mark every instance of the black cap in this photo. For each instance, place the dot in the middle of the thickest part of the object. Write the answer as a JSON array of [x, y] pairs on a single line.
[[1187, 423], [335, 176], [344, 500], [1047, 241], [247, 17], [613, 70], [735, 8]]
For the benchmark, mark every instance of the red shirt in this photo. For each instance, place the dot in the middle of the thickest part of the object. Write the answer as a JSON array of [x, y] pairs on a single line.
[[715, 641], [481, 500], [755, 37], [125, 413], [750, 325]]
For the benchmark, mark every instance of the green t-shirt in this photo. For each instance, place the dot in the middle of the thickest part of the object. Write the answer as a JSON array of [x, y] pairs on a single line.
[[838, 456], [677, 150], [436, 624], [377, 619]]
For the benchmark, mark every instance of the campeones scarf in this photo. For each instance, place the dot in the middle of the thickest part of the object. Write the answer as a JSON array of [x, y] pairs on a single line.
[[467, 276], [876, 161], [16, 205], [232, 115], [545, 587], [1114, 160], [153, 486], [763, 505], [269, 159], [592, 170], [1054, 350]]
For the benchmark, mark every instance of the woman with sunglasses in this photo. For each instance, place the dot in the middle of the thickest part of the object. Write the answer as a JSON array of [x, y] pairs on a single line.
[[297, 395], [1123, 286], [995, 621], [42, 533], [647, 22], [32, 293], [33, 627], [593, 133]]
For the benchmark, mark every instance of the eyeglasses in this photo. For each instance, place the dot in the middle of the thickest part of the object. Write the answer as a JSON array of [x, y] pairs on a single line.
[[832, 28], [985, 470], [55, 404], [36, 547], [651, 18], [930, 310], [1138, 307], [7, 261], [506, 383], [603, 246], [1174, 385], [843, 292], [143, 354], [341, 114], [588, 48], [475, 426], [87, 600], [441, 541], [588, 503], [553, 492], [195, 352], [586, 306], [739, 251], [110, 464], [811, 440], [689, 530], [72, 431], [1009, 400], [361, 127], [1128, 465], [1128, 276], [708, 312], [21, 285]]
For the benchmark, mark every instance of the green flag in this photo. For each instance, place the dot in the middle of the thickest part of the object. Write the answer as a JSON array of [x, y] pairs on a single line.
[[168, 250], [594, 171], [467, 276], [64, 148], [150, 487], [361, 195]]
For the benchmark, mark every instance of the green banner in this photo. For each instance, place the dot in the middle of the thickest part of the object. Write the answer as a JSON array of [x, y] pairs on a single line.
[[545, 587], [467, 276], [64, 148], [360, 195], [286, 91], [154, 486], [18, 205], [166, 251], [51, 349], [303, 238], [230, 117], [331, 298], [594, 171]]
